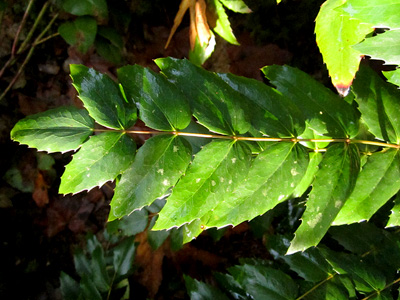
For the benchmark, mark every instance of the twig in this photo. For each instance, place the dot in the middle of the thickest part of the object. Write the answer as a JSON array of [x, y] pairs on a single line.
[[14, 46]]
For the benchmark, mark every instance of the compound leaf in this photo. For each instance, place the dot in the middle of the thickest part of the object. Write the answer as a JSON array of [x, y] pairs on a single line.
[[158, 165], [378, 181], [56, 130], [379, 13], [379, 104], [215, 170], [335, 34], [102, 98], [214, 104], [384, 46], [162, 105], [333, 184], [99, 160], [272, 178], [326, 113]]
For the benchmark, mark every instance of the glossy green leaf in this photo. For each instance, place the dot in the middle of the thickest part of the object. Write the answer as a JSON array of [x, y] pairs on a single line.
[[96, 8], [379, 13], [191, 230], [264, 283], [312, 169], [326, 113], [214, 104], [99, 160], [393, 76], [310, 264], [333, 184], [236, 5], [272, 113], [123, 256], [57, 130], [158, 165], [271, 179], [214, 172], [378, 103], [198, 290], [102, 98], [384, 46], [80, 33], [366, 277], [222, 26], [394, 219], [378, 181], [162, 105], [335, 34]]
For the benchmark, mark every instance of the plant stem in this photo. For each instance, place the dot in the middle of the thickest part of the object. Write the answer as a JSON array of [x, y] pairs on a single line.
[[14, 46], [387, 286], [316, 286]]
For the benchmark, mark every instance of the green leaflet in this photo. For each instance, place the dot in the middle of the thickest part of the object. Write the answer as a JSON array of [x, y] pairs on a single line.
[[236, 5], [264, 283], [158, 165], [96, 8], [200, 290], [272, 113], [312, 169], [333, 183], [335, 34], [80, 33], [222, 26], [378, 181], [99, 160], [384, 46], [379, 13], [326, 113], [393, 76], [162, 105], [379, 104], [271, 179], [102, 98], [57, 130], [214, 104], [214, 172], [394, 219]]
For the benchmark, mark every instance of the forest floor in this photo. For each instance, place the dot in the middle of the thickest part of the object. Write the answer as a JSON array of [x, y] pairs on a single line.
[[39, 229]]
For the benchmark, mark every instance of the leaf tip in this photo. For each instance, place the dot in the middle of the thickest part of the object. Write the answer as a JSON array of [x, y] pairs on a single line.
[[343, 89]]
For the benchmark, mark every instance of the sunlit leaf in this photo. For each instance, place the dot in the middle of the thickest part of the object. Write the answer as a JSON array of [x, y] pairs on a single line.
[[158, 165], [333, 184], [393, 76], [335, 34], [222, 26], [237, 6], [99, 160], [56, 130]]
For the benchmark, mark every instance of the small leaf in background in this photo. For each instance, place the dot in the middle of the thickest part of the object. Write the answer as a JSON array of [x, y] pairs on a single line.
[[80, 33], [333, 184], [237, 6], [57, 130], [199, 54], [393, 76], [109, 44], [102, 98], [384, 46], [131, 224], [394, 219], [214, 172], [271, 179], [379, 104], [216, 105], [99, 160], [70, 289], [378, 181], [95, 8], [262, 282], [335, 34], [198, 290], [158, 165], [88, 289], [379, 13], [222, 26], [123, 256], [161, 104], [326, 113]]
